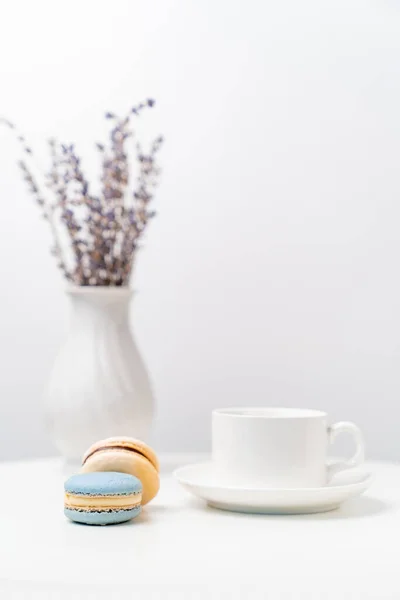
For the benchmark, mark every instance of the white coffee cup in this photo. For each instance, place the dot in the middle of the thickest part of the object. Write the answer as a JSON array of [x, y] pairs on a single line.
[[277, 447]]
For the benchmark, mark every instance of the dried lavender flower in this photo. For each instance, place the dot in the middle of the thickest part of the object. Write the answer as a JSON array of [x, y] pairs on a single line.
[[7, 123], [103, 230]]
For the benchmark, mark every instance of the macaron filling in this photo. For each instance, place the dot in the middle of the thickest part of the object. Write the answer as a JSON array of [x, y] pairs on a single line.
[[97, 503], [116, 447]]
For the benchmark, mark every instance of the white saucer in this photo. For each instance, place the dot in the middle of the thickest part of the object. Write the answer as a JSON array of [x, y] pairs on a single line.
[[200, 480]]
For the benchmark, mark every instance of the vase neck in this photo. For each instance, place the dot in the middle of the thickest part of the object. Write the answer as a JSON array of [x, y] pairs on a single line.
[[100, 303]]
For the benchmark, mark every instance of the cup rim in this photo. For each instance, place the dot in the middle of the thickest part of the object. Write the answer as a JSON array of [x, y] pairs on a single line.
[[269, 413]]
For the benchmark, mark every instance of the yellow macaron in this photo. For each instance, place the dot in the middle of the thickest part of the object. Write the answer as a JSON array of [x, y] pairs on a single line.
[[125, 455]]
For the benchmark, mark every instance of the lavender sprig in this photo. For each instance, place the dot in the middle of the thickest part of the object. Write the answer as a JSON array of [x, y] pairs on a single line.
[[139, 214], [27, 167]]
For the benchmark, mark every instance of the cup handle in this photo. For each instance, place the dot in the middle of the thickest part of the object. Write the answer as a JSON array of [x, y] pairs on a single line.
[[358, 456]]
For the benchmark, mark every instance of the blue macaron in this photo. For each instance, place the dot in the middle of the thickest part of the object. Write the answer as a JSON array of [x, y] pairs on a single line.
[[102, 498]]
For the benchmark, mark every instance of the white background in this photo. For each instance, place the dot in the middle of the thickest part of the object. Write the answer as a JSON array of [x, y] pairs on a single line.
[[271, 274]]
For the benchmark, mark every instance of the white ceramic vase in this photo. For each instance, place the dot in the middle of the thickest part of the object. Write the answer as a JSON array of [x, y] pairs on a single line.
[[99, 386]]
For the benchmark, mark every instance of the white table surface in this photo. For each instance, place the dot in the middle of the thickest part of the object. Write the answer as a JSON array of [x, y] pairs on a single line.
[[179, 548]]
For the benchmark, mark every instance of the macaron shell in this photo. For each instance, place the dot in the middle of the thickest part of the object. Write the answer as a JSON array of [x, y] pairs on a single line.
[[103, 484], [125, 461], [129, 443], [102, 518]]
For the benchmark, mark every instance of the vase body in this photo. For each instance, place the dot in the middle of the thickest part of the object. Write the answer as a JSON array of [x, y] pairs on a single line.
[[99, 386]]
